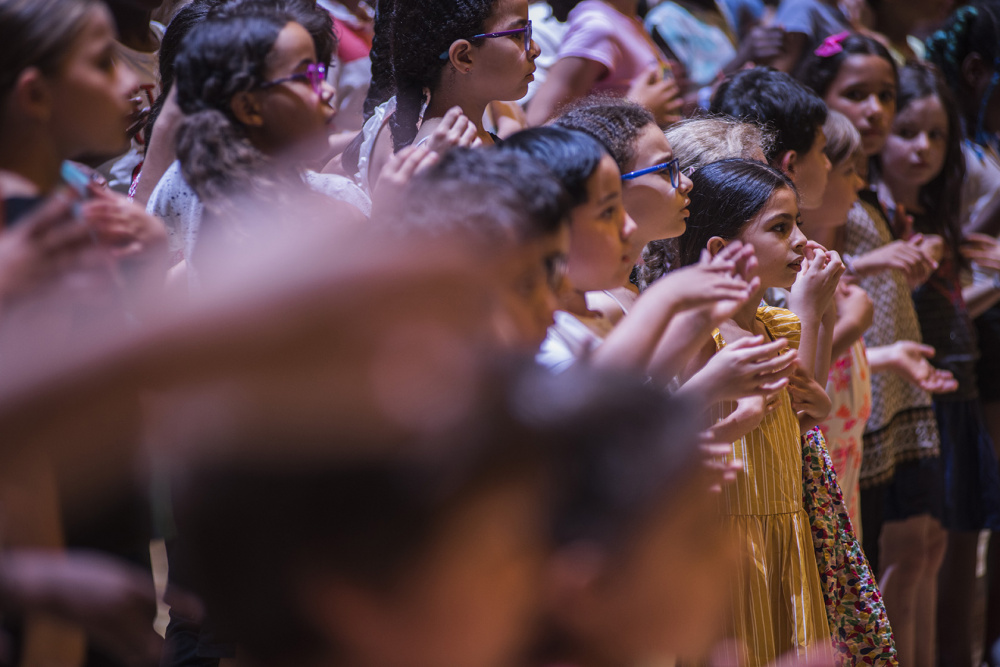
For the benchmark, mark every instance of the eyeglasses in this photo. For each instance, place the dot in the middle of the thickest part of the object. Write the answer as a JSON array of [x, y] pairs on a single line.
[[489, 35], [315, 74], [673, 167], [555, 270]]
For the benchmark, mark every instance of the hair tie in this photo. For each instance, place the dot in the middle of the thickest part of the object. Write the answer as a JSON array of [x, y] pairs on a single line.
[[832, 45]]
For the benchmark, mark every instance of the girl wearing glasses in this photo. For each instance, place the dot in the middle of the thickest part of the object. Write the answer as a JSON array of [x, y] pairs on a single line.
[[257, 110], [432, 57]]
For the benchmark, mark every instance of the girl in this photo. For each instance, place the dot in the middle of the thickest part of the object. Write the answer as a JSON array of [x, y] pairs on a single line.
[[966, 51], [256, 108], [436, 56], [650, 180], [900, 478], [849, 383], [921, 171], [778, 605]]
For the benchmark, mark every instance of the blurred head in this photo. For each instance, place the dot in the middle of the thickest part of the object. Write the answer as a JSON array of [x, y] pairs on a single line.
[[795, 117], [407, 551], [58, 76], [750, 202], [860, 82], [967, 51], [642, 561], [845, 152], [512, 211], [632, 137], [599, 256], [699, 141]]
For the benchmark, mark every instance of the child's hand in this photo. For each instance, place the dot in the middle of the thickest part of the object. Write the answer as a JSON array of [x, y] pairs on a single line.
[[814, 289], [981, 249], [809, 399], [854, 305], [455, 129], [908, 359], [400, 168], [124, 227], [748, 415], [931, 245], [746, 367], [662, 96], [726, 470], [897, 256]]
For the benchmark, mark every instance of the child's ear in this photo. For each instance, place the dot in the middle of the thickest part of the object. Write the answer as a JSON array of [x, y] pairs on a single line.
[[461, 56], [246, 109], [716, 244], [32, 94], [974, 71], [787, 162]]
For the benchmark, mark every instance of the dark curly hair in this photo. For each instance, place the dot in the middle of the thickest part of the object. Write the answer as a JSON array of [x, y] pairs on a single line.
[[493, 197], [219, 58], [419, 32], [382, 86], [940, 198], [615, 122], [791, 112], [974, 28], [570, 155], [818, 72], [725, 197]]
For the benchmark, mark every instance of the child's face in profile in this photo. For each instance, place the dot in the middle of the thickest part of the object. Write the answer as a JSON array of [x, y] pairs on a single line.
[[658, 208], [841, 192], [600, 255], [531, 278], [503, 66], [915, 151], [811, 172], [664, 593], [777, 240]]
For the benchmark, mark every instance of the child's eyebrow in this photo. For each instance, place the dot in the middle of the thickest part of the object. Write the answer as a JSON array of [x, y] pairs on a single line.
[[609, 197]]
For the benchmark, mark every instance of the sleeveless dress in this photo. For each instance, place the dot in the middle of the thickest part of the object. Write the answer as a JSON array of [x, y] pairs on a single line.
[[778, 604]]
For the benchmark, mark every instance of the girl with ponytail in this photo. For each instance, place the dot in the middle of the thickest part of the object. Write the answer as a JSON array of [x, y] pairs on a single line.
[[436, 67], [257, 108]]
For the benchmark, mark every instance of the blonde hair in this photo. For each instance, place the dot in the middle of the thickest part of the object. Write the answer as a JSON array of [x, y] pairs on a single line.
[[700, 141], [843, 141]]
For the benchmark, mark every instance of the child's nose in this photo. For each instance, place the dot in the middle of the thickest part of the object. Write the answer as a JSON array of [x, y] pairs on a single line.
[[628, 229], [327, 91], [686, 184], [798, 240]]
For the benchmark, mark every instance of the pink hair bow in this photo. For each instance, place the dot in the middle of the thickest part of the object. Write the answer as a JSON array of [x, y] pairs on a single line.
[[832, 45]]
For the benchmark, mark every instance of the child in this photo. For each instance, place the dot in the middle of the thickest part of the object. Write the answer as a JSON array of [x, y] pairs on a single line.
[[779, 604], [606, 49], [796, 116], [966, 51], [253, 132], [438, 56], [654, 190], [849, 383], [921, 170], [900, 476]]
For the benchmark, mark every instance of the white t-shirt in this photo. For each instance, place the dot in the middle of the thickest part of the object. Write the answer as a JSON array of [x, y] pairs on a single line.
[[175, 202], [566, 342]]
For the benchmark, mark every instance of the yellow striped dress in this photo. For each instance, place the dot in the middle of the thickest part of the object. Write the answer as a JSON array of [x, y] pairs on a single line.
[[778, 603]]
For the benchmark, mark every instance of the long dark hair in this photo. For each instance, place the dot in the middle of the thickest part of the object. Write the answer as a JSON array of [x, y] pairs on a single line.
[[940, 198], [419, 32], [974, 28], [725, 197], [818, 72]]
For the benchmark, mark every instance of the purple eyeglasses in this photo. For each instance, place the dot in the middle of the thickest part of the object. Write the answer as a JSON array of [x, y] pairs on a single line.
[[505, 33], [315, 74]]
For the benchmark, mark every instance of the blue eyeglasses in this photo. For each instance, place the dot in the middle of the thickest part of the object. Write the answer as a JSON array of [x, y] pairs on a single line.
[[526, 30], [673, 167], [315, 74]]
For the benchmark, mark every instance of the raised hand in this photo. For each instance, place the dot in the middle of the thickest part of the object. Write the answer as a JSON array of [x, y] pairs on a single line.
[[745, 367], [454, 129], [661, 95], [908, 359], [813, 292]]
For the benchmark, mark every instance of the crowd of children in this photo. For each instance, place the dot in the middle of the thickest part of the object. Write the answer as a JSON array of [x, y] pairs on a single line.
[[495, 333]]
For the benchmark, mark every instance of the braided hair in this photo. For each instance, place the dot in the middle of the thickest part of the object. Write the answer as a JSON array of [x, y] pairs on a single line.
[[420, 32], [971, 29], [382, 86]]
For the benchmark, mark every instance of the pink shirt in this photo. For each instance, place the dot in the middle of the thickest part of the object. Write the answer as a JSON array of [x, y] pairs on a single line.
[[599, 32]]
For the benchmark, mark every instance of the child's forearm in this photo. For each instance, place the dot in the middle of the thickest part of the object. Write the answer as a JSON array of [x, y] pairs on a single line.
[[632, 343], [681, 340], [824, 350]]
